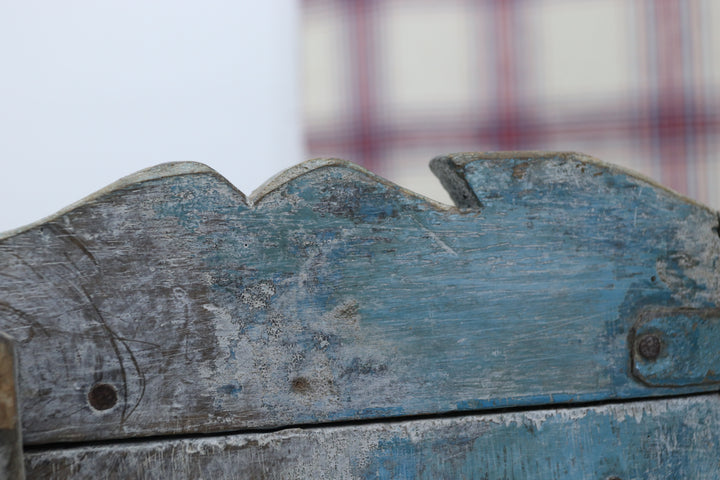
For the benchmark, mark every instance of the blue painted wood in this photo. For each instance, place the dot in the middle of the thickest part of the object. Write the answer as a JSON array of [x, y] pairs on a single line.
[[650, 440], [332, 294], [688, 347]]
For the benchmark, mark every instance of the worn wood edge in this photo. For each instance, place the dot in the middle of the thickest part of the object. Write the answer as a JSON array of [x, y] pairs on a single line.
[[461, 159], [163, 170], [346, 451], [452, 178], [448, 168], [177, 169], [309, 166]]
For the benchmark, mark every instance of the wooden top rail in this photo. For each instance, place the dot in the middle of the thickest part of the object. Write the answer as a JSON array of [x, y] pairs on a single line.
[[171, 304]]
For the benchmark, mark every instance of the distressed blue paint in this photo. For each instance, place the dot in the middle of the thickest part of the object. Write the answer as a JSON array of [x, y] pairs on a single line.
[[344, 297], [232, 389], [674, 441], [648, 440], [690, 347], [555, 291]]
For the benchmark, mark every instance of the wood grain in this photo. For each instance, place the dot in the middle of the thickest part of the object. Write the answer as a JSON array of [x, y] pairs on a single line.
[[332, 294], [649, 440], [11, 447]]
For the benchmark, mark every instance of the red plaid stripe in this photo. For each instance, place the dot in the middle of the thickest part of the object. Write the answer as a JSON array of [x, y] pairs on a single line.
[[654, 110]]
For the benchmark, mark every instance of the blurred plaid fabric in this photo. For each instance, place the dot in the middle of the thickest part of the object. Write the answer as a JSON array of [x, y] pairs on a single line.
[[389, 84]]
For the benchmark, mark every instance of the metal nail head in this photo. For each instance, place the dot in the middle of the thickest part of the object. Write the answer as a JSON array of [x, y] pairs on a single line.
[[649, 346]]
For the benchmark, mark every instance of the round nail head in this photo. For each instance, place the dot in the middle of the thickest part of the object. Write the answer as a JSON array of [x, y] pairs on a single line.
[[649, 346]]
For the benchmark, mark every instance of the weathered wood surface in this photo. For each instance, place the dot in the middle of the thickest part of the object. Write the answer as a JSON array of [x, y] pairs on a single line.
[[169, 303], [11, 447], [649, 440], [688, 347]]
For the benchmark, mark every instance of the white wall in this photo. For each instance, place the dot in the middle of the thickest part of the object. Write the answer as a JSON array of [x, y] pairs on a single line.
[[91, 91]]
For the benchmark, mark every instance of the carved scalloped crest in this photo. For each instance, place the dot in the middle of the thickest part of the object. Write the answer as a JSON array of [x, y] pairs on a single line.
[[169, 303], [450, 170]]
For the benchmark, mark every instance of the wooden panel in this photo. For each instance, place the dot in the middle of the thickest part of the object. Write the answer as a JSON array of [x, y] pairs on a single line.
[[169, 303], [659, 440]]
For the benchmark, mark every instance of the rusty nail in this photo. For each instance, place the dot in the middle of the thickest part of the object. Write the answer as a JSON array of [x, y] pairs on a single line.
[[102, 396], [649, 346]]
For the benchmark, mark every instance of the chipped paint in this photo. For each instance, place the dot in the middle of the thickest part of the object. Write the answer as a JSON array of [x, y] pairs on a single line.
[[654, 440], [332, 295]]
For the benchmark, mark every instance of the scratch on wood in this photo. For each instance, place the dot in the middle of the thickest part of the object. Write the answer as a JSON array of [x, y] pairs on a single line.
[[207, 310], [437, 239]]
